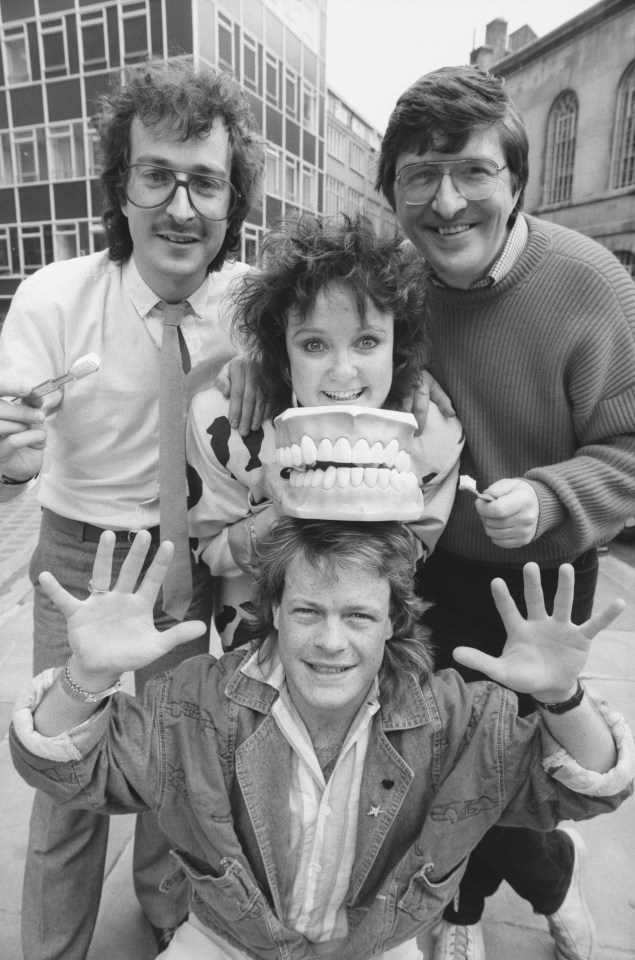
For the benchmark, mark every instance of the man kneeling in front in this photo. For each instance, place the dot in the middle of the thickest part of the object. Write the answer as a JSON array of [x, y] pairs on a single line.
[[324, 789]]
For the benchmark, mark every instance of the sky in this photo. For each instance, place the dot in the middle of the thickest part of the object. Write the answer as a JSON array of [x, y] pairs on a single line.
[[377, 48]]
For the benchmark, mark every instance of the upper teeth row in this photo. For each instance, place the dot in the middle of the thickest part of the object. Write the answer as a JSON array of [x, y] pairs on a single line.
[[342, 477], [306, 452]]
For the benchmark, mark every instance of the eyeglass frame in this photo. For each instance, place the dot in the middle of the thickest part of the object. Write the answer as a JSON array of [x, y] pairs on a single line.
[[450, 173], [235, 196]]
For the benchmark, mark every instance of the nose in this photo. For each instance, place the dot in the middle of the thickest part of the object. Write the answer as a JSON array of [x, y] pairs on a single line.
[[447, 200], [343, 366], [331, 637], [179, 207]]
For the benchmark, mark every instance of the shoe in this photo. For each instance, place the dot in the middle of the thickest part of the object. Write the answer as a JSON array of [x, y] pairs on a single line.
[[571, 927], [456, 942], [165, 935]]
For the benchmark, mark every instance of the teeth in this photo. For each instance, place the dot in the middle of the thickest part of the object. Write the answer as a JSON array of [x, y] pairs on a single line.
[[377, 453], [361, 452], [370, 476], [402, 462], [357, 476], [330, 476], [390, 453], [395, 480], [325, 450], [328, 669], [343, 476], [296, 455], [317, 477], [309, 450], [343, 394], [342, 451], [383, 479]]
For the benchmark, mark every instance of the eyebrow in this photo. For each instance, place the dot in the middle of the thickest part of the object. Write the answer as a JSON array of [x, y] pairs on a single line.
[[197, 168], [303, 328]]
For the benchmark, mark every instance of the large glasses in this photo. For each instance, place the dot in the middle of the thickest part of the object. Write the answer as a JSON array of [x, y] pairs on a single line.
[[474, 179], [148, 186]]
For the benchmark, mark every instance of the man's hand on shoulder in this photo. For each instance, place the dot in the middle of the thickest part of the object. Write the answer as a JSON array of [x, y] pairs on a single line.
[[418, 401], [236, 383]]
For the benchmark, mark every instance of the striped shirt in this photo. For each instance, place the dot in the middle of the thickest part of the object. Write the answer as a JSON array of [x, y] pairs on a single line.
[[102, 458], [514, 246], [323, 815]]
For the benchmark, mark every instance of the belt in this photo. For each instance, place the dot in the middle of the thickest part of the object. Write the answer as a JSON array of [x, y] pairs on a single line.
[[87, 531]]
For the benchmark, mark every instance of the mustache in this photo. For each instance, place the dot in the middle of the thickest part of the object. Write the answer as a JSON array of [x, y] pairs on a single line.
[[192, 231]]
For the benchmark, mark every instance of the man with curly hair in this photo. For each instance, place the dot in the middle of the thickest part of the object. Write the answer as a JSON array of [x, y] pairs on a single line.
[[182, 167]]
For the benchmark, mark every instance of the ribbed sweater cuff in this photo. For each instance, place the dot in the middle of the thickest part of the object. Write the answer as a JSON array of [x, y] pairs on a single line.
[[551, 511]]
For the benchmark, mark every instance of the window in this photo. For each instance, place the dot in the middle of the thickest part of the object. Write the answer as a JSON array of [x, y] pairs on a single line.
[[355, 200], [272, 79], [251, 243], [251, 67], [561, 135], [336, 143], [66, 151], [6, 164], [32, 249], [54, 47], [623, 166], [309, 109], [134, 30], [65, 241], [358, 158], [94, 156], [308, 187], [16, 54], [291, 179], [226, 43], [627, 259], [5, 252], [291, 94], [94, 40], [334, 196], [26, 156], [274, 172]]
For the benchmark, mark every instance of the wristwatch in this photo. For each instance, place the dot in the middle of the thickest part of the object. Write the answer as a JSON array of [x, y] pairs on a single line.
[[75, 692], [565, 705]]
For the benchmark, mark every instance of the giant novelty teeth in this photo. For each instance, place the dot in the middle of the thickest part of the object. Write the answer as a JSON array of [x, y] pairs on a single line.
[[350, 464]]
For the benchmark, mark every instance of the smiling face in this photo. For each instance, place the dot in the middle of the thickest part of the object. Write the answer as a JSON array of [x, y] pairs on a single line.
[[332, 628], [334, 358], [460, 238], [172, 244]]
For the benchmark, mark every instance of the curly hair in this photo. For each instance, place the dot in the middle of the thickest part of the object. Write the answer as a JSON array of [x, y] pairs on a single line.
[[302, 257], [383, 549], [441, 111], [184, 101]]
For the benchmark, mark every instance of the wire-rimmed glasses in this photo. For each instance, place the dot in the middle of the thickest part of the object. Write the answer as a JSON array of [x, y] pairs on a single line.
[[473, 178], [148, 186]]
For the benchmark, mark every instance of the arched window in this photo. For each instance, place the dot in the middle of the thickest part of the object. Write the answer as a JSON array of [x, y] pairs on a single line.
[[623, 166], [561, 148], [627, 259]]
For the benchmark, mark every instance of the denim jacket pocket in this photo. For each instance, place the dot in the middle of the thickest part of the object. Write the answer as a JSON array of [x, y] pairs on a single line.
[[430, 889], [232, 895]]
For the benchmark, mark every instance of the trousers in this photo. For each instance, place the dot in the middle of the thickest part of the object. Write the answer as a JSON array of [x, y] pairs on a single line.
[[538, 866], [66, 850]]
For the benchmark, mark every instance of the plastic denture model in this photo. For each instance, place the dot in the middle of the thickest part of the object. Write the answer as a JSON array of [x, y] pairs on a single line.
[[350, 464]]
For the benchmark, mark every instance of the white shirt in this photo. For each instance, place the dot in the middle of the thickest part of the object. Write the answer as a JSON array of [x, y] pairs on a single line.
[[102, 460]]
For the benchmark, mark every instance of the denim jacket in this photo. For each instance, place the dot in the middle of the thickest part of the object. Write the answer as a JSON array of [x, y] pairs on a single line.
[[446, 761]]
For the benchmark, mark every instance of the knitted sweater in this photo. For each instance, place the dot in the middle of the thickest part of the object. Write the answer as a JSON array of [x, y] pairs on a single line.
[[541, 370]]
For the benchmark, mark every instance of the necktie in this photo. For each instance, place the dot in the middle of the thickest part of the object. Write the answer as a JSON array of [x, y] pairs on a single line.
[[177, 587]]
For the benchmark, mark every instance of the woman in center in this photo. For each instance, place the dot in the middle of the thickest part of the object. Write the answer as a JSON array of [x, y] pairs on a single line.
[[333, 316]]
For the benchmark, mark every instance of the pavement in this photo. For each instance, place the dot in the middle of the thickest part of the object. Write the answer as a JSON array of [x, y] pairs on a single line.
[[512, 931]]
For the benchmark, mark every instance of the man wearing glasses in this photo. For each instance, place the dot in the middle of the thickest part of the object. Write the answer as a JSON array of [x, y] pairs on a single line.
[[532, 331], [182, 167]]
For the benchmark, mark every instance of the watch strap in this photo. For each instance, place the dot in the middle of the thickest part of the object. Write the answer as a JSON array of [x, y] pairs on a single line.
[[75, 692], [565, 705]]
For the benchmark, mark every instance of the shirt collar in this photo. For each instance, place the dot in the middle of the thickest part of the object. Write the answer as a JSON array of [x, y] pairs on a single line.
[[144, 299], [504, 263]]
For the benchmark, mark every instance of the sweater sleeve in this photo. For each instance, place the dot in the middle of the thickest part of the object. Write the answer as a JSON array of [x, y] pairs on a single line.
[[588, 497]]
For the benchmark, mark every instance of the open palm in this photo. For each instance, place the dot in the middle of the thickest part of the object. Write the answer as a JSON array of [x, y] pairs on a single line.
[[112, 632], [544, 654]]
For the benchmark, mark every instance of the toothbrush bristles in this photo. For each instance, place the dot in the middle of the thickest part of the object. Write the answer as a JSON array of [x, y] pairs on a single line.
[[84, 366]]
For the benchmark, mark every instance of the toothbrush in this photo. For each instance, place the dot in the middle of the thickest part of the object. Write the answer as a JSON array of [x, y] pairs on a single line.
[[469, 483], [82, 367]]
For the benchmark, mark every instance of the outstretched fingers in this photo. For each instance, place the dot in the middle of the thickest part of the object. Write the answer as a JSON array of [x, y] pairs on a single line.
[[563, 600], [482, 662], [599, 621], [62, 599], [155, 575], [102, 565]]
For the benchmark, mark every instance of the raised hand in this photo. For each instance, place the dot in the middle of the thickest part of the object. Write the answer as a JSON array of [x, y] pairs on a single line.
[[543, 655], [113, 630]]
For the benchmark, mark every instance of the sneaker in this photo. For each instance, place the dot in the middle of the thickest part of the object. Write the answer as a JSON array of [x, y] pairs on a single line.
[[571, 927], [456, 942]]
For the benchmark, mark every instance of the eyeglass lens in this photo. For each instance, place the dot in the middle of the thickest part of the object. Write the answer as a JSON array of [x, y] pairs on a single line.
[[473, 179], [148, 186]]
